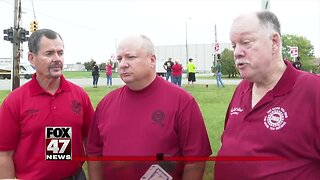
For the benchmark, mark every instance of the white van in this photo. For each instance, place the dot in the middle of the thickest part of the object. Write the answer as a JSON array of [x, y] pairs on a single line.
[[26, 71]]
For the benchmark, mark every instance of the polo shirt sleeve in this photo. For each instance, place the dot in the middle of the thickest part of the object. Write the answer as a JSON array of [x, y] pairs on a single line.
[[87, 116], [192, 132], [95, 142], [318, 142], [318, 123], [9, 133]]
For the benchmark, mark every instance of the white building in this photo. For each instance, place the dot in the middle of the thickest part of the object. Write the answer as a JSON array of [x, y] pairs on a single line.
[[202, 54], [74, 67]]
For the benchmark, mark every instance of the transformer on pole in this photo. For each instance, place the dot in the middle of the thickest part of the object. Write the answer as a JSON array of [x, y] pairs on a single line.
[[265, 5]]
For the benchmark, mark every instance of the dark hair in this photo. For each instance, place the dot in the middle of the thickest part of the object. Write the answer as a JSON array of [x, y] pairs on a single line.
[[270, 20], [35, 37], [190, 59]]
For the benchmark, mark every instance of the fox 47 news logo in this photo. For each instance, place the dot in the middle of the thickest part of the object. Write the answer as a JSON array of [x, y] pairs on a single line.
[[58, 143]]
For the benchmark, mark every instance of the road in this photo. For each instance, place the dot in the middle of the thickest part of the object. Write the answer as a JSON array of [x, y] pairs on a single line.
[[5, 84]]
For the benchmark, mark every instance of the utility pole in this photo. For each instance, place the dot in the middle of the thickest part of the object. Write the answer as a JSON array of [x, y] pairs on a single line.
[[187, 49], [187, 55], [116, 55], [16, 35], [215, 42], [15, 77]]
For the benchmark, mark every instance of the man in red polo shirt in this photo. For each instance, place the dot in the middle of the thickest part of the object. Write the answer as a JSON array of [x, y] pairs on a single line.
[[45, 122], [148, 117], [273, 120]]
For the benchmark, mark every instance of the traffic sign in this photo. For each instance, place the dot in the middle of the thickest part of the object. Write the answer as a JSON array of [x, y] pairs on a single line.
[[216, 47], [294, 51], [113, 57]]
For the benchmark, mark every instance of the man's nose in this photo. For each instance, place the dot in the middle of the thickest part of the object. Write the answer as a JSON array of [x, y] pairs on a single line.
[[123, 64], [238, 52], [56, 57]]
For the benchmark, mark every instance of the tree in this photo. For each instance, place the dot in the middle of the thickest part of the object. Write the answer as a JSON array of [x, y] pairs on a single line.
[[102, 66], [305, 48], [88, 65], [227, 61], [115, 65]]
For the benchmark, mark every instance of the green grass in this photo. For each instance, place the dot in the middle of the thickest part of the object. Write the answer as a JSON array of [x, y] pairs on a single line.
[[77, 74], [84, 74], [3, 94], [87, 74], [211, 76], [213, 102]]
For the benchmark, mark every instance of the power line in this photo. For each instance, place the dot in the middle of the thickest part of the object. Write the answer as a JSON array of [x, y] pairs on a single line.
[[52, 17], [34, 13]]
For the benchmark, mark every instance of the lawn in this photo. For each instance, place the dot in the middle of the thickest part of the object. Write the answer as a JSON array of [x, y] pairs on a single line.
[[87, 74], [84, 74], [213, 103]]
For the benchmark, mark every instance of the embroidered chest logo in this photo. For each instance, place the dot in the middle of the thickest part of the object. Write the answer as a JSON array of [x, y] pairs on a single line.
[[158, 117], [275, 118], [31, 112], [236, 110], [76, 107]]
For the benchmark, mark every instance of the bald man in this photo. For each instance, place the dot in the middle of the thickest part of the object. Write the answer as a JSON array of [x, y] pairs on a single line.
[[147, 117]]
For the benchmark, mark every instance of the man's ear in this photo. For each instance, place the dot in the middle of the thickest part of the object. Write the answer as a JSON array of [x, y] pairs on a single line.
[[153, 60], [276, 42], [31, 58]]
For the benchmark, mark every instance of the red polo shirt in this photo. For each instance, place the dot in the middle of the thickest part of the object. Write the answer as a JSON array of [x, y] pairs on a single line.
[[160, 119], [25, 114], [285, 123]]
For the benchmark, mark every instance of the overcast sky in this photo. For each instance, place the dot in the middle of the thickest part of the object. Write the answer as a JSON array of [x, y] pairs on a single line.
[[92, 28]]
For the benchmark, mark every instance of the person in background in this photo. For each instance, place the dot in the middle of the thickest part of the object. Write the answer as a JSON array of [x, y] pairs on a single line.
[[95, 74], [177, 73], [297, 63], [273, 120], [147, 117], [47, 101], [109, 73], [168, 67], [219, 74], [191, 70]]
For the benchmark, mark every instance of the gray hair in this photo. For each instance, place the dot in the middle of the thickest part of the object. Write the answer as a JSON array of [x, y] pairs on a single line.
[[269, 20], [147, 44], [35, 37]]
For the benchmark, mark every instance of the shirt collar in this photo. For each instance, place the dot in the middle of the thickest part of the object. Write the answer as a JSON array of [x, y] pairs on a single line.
[[287, 80], [35, 88], [284, 85]]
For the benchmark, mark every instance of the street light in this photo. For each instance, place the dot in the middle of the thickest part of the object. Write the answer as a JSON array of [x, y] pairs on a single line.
[[187, 55], [215, 42], [116, 55]]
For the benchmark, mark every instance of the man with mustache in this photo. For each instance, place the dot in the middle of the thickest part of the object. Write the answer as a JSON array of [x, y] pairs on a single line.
[[34, 114], [273, 120], [148, 117]]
